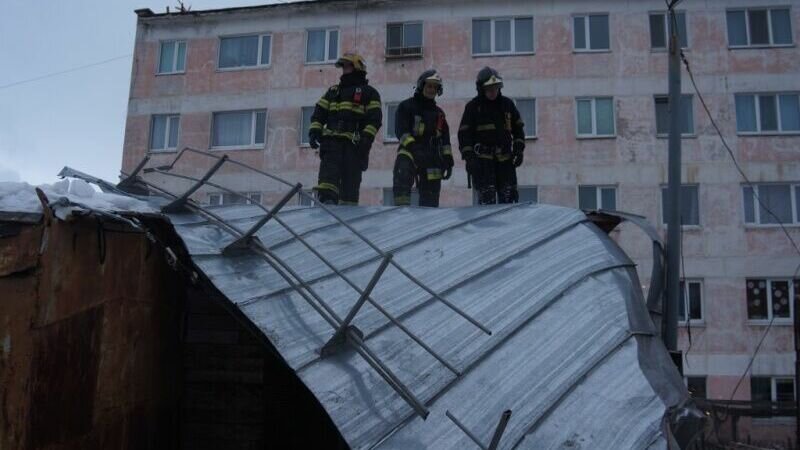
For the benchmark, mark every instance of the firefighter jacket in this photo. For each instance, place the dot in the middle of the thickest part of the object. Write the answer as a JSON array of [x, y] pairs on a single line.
[[421, 128], [350, 110], [495, 125]]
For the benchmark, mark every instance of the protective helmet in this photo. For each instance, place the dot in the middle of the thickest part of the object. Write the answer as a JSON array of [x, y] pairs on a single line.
[[356, 60], [488, 77], [430, 75]]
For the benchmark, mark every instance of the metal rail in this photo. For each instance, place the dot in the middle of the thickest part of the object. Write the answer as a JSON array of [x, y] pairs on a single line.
[[496, 436]]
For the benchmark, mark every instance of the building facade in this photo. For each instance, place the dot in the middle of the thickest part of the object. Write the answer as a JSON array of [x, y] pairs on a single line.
[[590, 81]]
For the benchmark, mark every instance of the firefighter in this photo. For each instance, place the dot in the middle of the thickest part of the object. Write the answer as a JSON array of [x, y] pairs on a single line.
[[491, 139], [344, 124], [424, 157]]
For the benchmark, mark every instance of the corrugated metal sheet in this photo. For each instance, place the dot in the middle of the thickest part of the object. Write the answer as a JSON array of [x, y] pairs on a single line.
[[572, 352]]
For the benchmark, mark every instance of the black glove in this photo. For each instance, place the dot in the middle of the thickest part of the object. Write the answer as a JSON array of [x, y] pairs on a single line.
[[364, 145], [517, 153], [313, 138], [447, 166]]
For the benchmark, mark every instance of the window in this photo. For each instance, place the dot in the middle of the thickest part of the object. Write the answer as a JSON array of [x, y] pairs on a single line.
[[322, 46], [305, 123], [527, 110], [690, 205], [388, 197], [767, 113], [226, 198], [244, 51], [527, 194], [685, 115], [388, 130], [239, 128], [782, 203], [172, 57], [404, 39], [759, 27], [595, 117], [691, 300], [502, 36], [164, 132], [696, 386], [659, 30], [768, 298], [597, 197], [772, 389], [591, 33]]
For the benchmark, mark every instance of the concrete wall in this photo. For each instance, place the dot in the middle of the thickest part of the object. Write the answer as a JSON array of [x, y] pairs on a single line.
[[721, 252]]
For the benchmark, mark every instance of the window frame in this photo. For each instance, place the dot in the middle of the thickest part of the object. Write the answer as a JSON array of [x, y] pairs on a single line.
[[793, 187], [535, 116], [598, 192], [691, 135], [777, 320], [492, 52], [768, 9], [403, 53], [586, 30], [664, 15], [177, 42], [166, 148], [259, 64], [302, 198], [386, 138], [303, 137], [327, 59], [594, 134], [664, 188], [687, 302], [756, 100], [253, 117], [220, 196]]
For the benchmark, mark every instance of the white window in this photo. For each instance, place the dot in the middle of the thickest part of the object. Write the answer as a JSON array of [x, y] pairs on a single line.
[[172, 57], [388, 197], [779, 204], [691, 301], [768, 113], [388, 130], [690, 205], [590, 33], [527, 194], [305, 123], [685, 115], [769, 299], [226, 198], [527, 111], [164, 130], [595, 117], [403, 39], [508, 35], [659, 30], [239, 128], [322, 46], [759, 27], [597, 197], [772, 389], [245, 51]]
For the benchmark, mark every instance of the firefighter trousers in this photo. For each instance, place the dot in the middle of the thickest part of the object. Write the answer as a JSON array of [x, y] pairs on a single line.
[[339, 172], [407, 174], [495, 182]]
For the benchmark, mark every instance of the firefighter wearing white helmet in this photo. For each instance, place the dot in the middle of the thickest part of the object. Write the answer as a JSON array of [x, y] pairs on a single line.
[[491, 138], [424, 157], [344, 124]]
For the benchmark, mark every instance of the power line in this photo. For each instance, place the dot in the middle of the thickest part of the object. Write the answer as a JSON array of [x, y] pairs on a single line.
[[74, 69]]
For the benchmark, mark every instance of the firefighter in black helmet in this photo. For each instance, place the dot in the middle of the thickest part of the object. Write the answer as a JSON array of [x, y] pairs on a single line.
[[424, 157], [491, 139], [344, 124]]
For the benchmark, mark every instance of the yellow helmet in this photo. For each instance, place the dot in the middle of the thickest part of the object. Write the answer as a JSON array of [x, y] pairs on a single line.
[[356, 60]]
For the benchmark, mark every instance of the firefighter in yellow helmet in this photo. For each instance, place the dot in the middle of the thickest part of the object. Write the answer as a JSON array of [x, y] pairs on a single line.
[[344, 124]]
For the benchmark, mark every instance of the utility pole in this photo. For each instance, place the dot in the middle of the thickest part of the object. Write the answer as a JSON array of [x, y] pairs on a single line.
[[673, 191]]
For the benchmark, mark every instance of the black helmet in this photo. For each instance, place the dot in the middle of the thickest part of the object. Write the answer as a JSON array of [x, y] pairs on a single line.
[[430, 75], [488, 77]]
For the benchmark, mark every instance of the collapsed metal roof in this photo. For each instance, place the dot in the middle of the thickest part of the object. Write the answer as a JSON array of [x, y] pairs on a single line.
[[511, 326]]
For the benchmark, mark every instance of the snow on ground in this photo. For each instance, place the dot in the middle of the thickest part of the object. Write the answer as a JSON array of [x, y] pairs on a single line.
[[21, 197]]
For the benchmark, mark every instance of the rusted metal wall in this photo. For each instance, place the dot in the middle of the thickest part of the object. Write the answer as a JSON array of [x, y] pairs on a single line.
[[89, 338]]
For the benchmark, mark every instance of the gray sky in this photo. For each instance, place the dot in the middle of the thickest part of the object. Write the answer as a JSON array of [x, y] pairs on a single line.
[[76, 118]]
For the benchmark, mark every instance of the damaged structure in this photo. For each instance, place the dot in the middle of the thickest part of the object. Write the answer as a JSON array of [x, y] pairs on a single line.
[[181, 325]]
